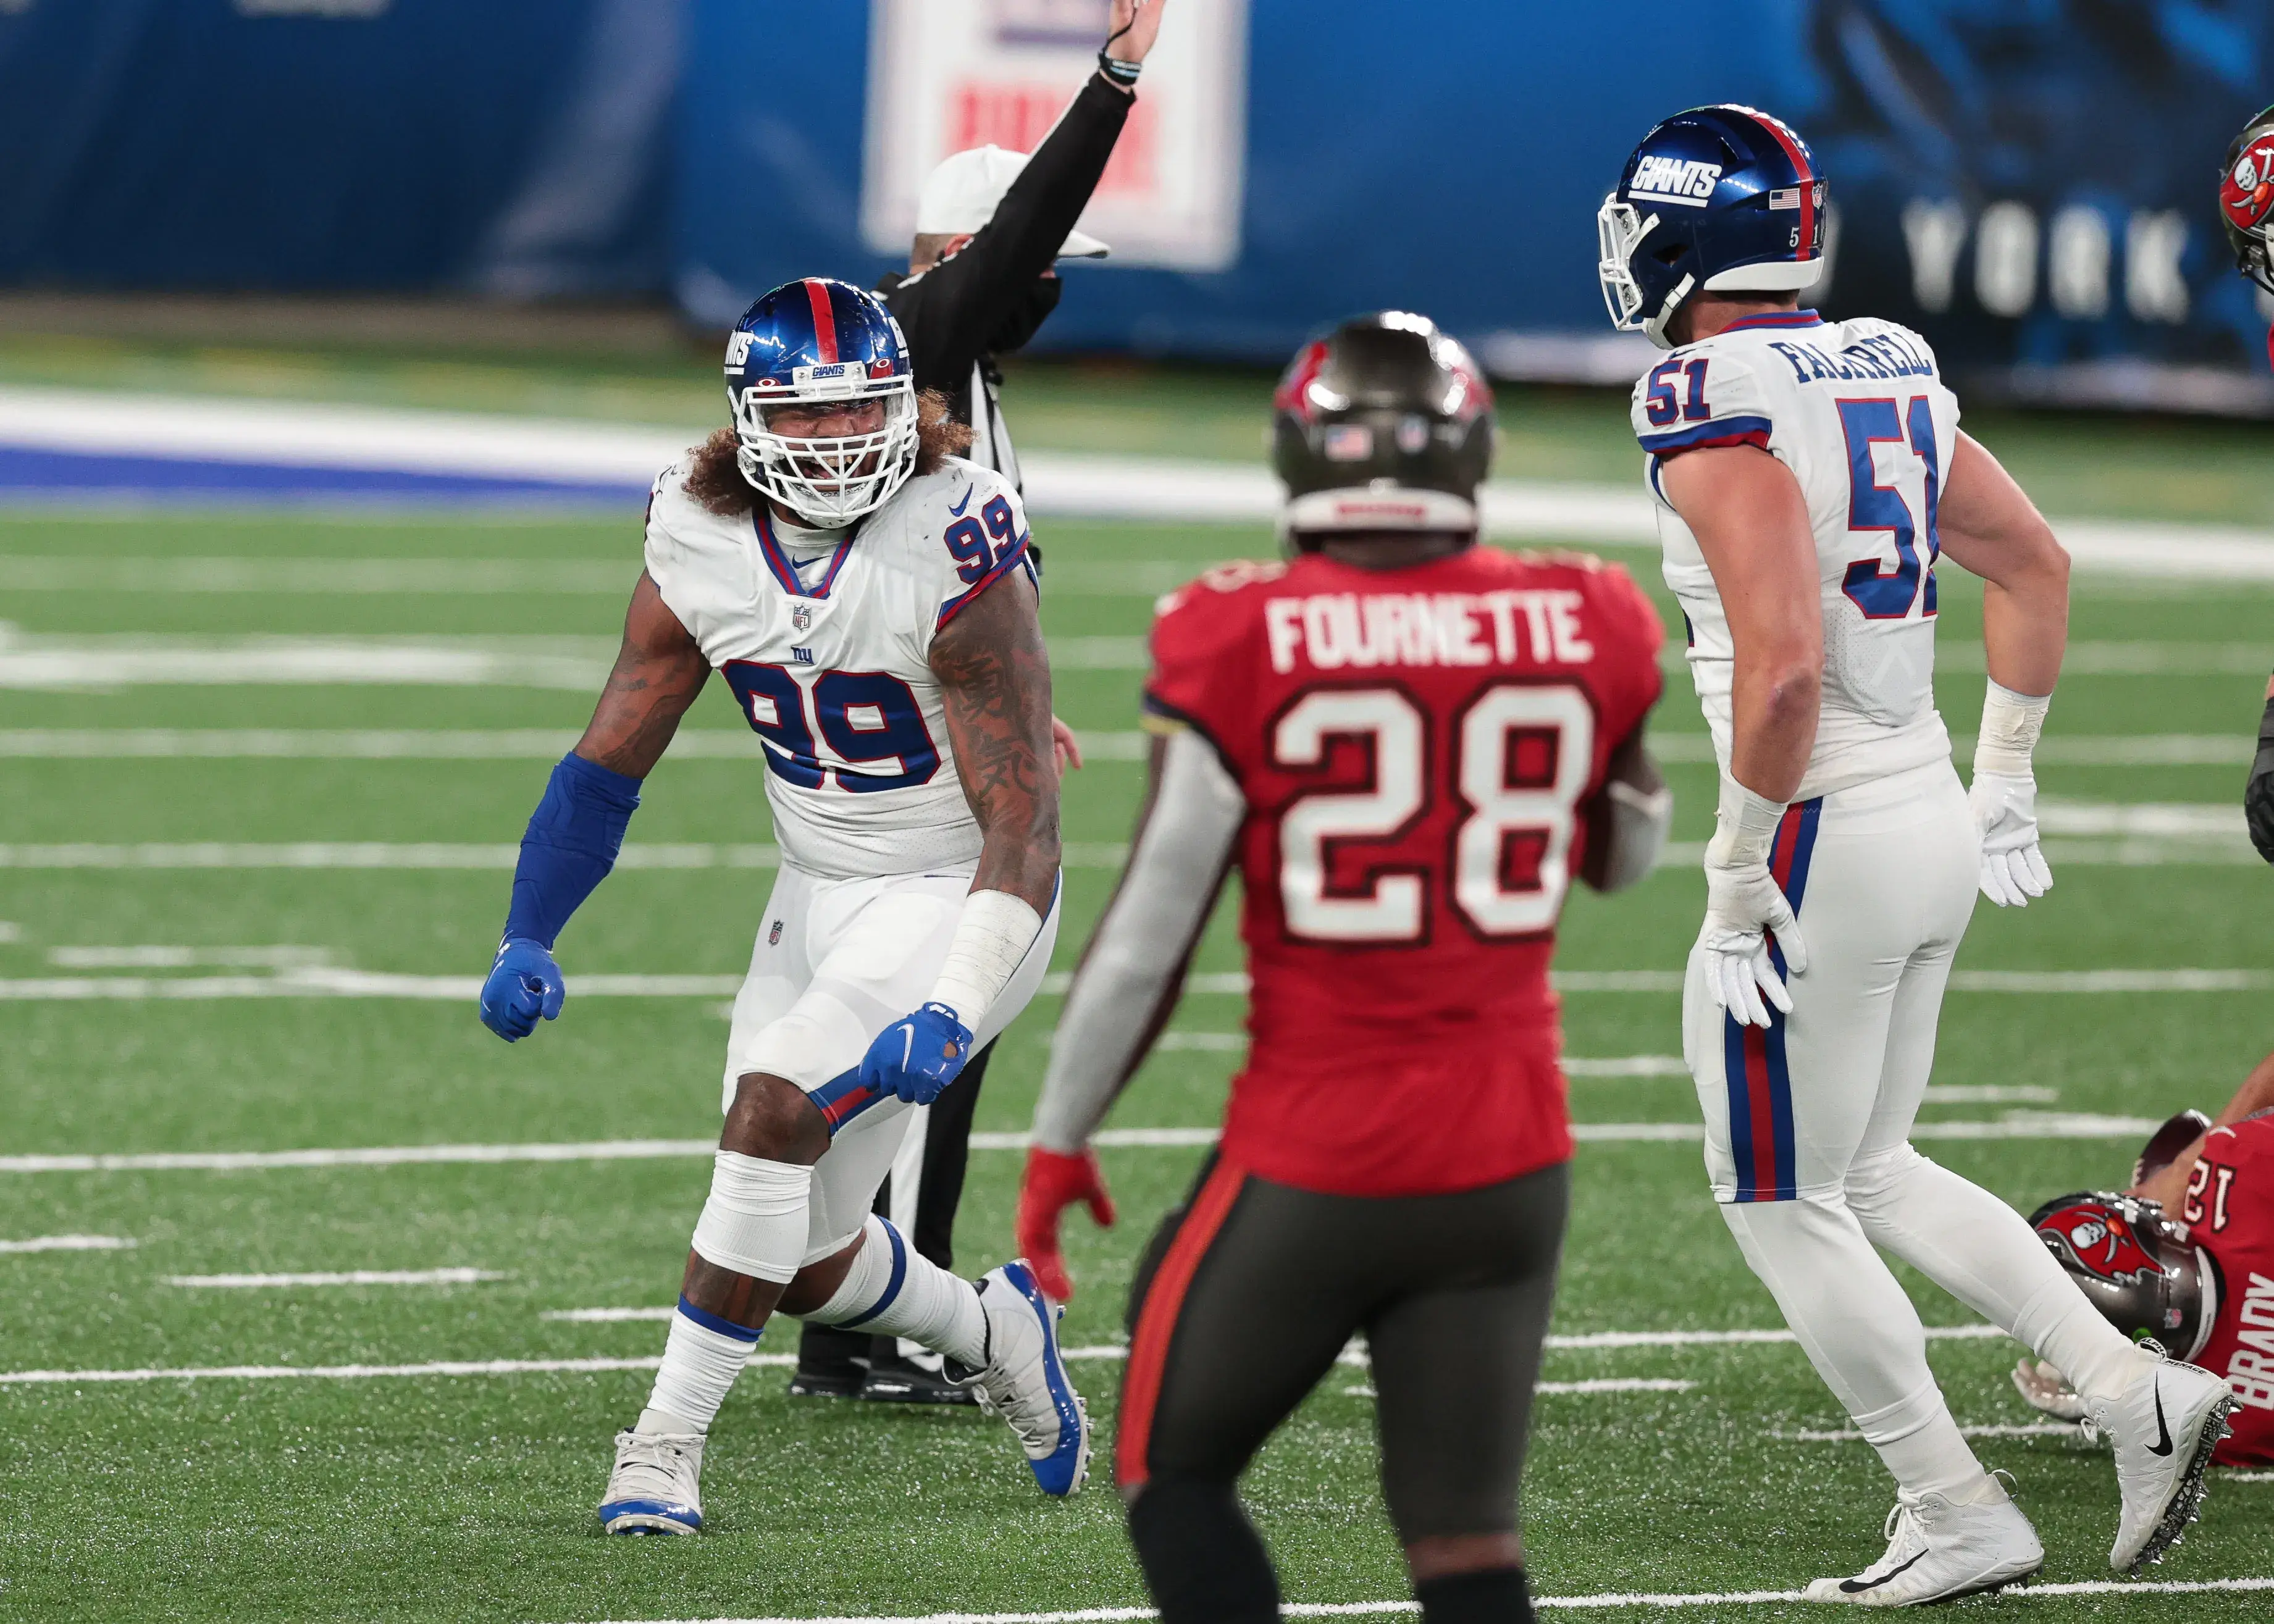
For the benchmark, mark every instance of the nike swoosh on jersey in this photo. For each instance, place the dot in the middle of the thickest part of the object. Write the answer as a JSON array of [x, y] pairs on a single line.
[[1853, 1587], [957, 509], [2163, 1444]]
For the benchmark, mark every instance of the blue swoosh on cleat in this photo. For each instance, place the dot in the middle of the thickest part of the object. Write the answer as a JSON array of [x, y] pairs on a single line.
[[687, 1518], [1059, 1472]]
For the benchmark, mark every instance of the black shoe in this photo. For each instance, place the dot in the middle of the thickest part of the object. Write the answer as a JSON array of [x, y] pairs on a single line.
[[895, 1380], [831, 1363]]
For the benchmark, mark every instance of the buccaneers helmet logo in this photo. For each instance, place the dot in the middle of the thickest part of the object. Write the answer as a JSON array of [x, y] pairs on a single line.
[[2100, 1239], [2246, 194]]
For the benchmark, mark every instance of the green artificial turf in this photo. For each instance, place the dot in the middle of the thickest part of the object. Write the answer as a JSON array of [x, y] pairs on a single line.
[[470, 1498]]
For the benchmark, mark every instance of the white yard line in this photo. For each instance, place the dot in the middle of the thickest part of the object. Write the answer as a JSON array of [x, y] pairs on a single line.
[[69, 1242], [324, 981], [2025, 1125], [1625, 1065], [156, 955], [346, 1373], [518, 577], [131, 659], [1604, 1600], [1593, 1340], [1605, 1384], [620, 459], [606, 1316], [350, 1277], [2024, 1429], [421, 854], [708, 743]]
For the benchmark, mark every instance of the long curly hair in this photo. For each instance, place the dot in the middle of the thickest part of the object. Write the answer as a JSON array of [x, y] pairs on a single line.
[[716, 480]]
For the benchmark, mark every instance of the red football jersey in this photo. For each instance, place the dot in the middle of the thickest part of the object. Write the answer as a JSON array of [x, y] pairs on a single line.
[[2229, 1212], [1418, 748]]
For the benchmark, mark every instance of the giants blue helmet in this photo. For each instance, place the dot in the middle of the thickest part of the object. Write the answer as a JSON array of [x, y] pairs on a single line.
[[1723, 198], [821, 344]]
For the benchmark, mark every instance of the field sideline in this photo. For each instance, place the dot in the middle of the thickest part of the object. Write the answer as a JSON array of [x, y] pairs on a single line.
[[486, 1321]]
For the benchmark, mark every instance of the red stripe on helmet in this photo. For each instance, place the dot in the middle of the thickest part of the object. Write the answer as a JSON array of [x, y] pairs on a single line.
[[825, 318], [1799, 159]]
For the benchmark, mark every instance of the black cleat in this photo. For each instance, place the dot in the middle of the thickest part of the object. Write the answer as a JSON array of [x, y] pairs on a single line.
[[831, 1363], [896, 1380]]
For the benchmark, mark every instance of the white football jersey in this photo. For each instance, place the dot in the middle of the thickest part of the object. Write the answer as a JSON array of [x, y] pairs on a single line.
[[832, 673], [1859, 413]]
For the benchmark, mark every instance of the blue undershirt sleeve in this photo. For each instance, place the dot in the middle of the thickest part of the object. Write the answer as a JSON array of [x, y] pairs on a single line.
[[570, 847]]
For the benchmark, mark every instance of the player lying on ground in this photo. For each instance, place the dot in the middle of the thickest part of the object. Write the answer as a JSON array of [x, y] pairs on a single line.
[[1409, 744], [1806, 474], [2184, 1258], [867, 596]]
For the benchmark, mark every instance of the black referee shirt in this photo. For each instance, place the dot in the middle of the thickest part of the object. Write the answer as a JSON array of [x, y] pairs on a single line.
[[989, 296]]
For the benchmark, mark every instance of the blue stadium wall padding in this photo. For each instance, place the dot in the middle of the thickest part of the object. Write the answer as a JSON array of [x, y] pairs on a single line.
[[511, 146], [1451, 156]]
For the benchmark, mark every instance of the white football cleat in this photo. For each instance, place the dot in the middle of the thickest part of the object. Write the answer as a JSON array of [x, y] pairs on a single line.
[[1940, 1551], [1024, 1380], [2164, 1426], [656, 1487]]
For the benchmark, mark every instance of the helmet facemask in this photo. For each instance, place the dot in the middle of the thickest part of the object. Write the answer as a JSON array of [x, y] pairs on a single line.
[[828, 481], [1620, 228]]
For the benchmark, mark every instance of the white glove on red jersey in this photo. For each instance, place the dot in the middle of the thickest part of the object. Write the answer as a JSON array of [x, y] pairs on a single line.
[[1741, 901]]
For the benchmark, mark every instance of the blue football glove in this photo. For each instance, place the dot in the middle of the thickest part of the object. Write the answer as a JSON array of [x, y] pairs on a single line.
[[918, 1055], [523, 983]]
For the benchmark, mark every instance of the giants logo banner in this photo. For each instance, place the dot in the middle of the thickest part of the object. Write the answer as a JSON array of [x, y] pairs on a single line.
[[948, 75]]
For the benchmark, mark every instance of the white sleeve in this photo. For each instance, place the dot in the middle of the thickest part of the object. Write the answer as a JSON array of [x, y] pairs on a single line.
[[1134, 967]]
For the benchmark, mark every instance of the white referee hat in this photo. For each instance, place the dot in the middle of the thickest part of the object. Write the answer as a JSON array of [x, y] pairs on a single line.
[[960, 196]]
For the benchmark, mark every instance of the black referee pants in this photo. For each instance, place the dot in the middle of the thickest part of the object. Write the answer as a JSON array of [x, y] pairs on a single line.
[[1246, 1298]]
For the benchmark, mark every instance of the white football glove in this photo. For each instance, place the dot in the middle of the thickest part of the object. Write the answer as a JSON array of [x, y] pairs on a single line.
[[1741, 900], [2004, 796], [2005, 808]]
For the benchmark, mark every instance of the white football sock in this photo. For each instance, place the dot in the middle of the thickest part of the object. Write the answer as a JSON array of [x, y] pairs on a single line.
[[1860, 1331], [700, 1358], [894, 1290], [756, 1220], [1983, 1253], [1922, 1445]]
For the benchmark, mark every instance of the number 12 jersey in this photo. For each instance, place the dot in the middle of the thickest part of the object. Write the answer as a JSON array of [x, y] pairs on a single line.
[[1417, 749], [1859, 413]]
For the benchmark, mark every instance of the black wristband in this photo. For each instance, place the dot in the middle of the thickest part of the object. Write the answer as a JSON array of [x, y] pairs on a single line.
[[1122, 73]]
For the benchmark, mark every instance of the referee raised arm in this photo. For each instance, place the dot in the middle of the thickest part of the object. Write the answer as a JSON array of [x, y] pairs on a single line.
[[991, 225]]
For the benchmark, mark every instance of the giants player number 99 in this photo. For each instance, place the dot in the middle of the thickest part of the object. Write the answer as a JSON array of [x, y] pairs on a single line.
[[1511, 792]]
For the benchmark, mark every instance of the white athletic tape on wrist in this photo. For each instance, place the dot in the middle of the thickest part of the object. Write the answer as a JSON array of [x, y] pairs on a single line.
[[1744, 827], [991, 939], [754, 1223], [2011, 723]]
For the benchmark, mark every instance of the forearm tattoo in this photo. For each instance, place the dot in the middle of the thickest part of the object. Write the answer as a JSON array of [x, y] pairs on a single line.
[[994, 673]]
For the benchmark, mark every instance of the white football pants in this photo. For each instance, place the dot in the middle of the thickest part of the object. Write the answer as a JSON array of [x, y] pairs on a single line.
[[1808, 1124], [836, 962]]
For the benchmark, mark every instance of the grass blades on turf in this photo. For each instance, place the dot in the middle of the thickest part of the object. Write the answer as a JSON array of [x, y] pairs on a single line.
[[470, 1497]]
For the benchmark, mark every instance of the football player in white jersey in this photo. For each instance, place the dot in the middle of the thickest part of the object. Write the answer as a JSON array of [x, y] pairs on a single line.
[[1807, 475], [869, 600]]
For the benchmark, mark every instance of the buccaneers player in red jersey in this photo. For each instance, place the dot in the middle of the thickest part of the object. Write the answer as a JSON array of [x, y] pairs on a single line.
[[2185, 1259], [1410, 744]]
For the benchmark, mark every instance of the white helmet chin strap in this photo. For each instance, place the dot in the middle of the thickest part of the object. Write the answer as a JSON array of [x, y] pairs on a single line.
[[1655, 327]]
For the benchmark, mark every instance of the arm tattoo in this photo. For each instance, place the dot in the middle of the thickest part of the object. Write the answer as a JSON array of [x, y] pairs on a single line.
[[658, 672], [994, 674]]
